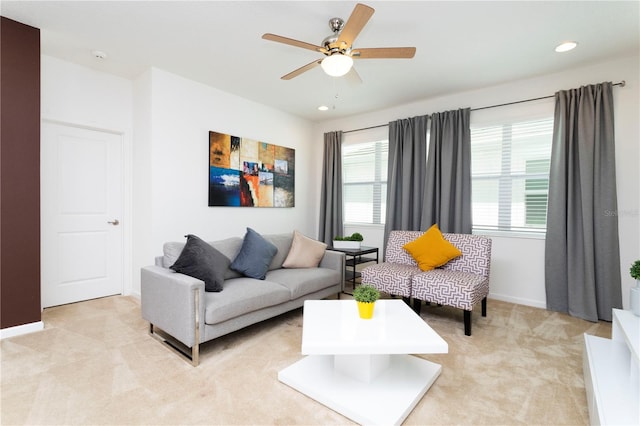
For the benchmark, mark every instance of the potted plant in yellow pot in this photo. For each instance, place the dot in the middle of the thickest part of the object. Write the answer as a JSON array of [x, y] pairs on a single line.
[[365, 296]]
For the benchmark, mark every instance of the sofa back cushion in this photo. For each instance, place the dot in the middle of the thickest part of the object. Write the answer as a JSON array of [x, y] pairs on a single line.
[[283, 244], [230, 247]]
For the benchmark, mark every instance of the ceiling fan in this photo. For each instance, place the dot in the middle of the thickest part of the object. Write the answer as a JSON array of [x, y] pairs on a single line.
[[338, 47]]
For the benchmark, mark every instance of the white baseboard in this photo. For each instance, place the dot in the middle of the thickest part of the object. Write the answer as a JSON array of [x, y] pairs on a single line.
[[518, 300], [21, 329]]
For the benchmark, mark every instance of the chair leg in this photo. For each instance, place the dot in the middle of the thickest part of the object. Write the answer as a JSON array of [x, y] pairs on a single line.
[[467, 323], [417, 305], [484, 307], [406, 300]]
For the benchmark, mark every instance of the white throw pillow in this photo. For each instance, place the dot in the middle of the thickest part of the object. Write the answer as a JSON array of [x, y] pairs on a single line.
[[305, 252]]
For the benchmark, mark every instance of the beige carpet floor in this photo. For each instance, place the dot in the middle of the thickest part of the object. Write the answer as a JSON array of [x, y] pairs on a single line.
[[94, 363]]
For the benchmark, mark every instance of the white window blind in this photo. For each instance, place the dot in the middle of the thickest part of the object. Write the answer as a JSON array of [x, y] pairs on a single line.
[[364, 179], [510, 176]]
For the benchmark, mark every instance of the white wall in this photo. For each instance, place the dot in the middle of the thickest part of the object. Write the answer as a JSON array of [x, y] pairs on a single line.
[[173, 118], [79, 96], [518, 263], [165, 120]]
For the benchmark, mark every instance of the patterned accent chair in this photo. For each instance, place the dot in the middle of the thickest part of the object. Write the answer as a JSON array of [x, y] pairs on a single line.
[[461, 283], [394, 275]]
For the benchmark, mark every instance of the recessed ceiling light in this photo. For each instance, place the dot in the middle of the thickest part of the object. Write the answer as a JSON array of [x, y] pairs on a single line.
[[99, 54], [566, 46], [323, 108]]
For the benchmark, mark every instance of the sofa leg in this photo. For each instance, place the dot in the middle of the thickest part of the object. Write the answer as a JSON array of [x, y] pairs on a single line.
[[195, 355], [417, 305], [190, 355], [406, 300], [195, 349], [484, 307], [467, 323]]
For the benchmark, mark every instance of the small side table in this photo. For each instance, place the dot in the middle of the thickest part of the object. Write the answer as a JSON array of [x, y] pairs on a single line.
[[354, 257]]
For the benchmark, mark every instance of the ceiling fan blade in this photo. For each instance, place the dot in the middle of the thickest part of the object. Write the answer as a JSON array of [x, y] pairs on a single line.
[[301, 70], [384, 52], [292, 42], [358, 19]]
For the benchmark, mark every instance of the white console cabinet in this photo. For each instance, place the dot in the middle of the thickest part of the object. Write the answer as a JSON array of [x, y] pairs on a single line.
[[611, 372]]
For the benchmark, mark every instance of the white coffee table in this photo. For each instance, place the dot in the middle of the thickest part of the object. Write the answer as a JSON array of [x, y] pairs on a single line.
[[362, 368]]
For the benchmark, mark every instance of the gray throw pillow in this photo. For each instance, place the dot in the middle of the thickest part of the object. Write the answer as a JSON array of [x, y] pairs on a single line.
[[200, 260], [255, 256]]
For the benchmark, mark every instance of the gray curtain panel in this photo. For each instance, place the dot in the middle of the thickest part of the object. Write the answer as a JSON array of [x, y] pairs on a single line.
[[447, 192], [405, 174], [582, 259], [331, 216]]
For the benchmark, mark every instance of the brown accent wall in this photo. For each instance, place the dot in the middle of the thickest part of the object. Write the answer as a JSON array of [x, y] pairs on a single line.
[[19, 174]]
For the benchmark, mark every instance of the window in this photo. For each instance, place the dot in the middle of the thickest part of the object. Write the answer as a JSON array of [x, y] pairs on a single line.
[[364, 181], [510, 176]]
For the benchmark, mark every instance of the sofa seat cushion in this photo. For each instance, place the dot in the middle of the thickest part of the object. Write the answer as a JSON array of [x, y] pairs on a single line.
[[461, 290], [301, 282], [391, 278], [242, 296]]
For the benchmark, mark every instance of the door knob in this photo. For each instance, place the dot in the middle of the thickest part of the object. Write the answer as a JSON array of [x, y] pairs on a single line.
[[115, 222]]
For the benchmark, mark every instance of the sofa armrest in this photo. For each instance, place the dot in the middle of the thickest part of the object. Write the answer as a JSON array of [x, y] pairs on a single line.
[[334, 260], [167, 300]]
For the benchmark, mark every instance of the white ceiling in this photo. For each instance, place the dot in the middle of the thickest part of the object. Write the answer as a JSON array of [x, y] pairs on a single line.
[[460, 45]]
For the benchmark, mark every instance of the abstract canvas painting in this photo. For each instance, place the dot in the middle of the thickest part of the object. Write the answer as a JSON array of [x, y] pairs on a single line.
[[248, 173]]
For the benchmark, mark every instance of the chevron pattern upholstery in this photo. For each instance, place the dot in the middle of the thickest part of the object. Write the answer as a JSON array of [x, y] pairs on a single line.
[[394, 275], [461, 283], [391, 278], [476, 254], [452, 288]]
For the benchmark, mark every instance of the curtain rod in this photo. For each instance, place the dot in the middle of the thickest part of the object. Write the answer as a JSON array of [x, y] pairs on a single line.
[[621, 84]]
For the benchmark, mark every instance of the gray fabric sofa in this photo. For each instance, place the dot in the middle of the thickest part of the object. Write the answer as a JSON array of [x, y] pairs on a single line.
[[186, 315]]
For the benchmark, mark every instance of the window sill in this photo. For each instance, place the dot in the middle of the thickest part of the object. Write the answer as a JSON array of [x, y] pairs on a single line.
[[364, 225]]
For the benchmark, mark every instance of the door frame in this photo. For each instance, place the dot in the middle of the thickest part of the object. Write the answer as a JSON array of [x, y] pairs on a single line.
[[127, 214]]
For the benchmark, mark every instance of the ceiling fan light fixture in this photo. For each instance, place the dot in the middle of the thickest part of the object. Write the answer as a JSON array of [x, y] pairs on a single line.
[[337, 64]]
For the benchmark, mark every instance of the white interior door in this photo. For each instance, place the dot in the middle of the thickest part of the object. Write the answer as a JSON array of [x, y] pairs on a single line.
[[81, 207]]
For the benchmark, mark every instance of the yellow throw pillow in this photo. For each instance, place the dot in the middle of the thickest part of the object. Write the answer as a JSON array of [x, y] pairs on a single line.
[[431, 250]]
